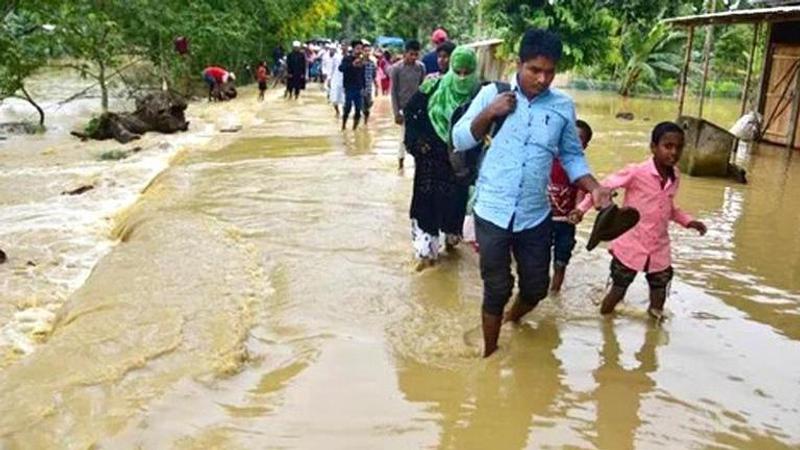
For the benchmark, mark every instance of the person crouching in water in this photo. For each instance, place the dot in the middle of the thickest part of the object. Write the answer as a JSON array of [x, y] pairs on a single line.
[[439, 200], [650, 187], [217, 77], [563, 201]]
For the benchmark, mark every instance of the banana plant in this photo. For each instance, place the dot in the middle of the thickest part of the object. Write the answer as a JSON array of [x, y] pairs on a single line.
[[650, 56]]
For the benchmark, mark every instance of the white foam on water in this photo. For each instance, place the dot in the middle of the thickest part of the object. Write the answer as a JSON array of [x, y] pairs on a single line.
[[69, 234]]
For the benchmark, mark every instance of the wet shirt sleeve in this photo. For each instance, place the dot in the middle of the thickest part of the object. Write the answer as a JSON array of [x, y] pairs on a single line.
[[570, 149], [681, 217], [621, 179], [462, 134]]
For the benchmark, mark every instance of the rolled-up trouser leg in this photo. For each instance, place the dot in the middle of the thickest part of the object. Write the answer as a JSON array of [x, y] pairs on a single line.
[[495, 264], [531, 249]]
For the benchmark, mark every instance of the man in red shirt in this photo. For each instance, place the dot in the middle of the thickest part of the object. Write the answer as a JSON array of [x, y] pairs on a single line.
[[215, 77], [563, 200]]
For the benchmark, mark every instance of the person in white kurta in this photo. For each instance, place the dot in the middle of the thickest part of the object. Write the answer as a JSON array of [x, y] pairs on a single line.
[[327, 63], [336, 84]]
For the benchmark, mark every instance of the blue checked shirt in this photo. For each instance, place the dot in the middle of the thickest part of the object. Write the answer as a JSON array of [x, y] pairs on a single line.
[[512, 182], [369, 74]]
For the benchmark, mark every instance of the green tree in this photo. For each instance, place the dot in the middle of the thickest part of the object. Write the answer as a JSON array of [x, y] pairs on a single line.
[[584, 28], [656, 53], [406, 18], [259, 26], [24, 44], [731, 47], [89, 34]]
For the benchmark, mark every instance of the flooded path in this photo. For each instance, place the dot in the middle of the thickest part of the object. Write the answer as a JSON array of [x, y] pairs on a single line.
[[262, 295]]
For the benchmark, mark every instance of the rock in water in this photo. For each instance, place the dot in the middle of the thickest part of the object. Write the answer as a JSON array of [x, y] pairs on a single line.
[[19, 128], [159, 111], [737, 173], [229, 123], [226, 92], [624, 115], [79, 190], [3, 257]]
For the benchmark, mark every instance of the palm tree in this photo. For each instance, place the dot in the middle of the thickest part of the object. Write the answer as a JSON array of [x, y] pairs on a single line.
[[654, 54]]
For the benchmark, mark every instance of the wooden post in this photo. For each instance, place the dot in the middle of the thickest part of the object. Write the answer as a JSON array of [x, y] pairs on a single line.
[[766, 71], [748, 78], [706, 58], [792, 132], [685, 72], [746, 90]]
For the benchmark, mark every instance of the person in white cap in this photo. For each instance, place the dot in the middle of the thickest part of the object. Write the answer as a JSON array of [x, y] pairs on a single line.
[[336, 82], [296, 69]]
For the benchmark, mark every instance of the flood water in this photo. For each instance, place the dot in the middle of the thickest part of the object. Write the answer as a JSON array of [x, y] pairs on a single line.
[[261, 293]]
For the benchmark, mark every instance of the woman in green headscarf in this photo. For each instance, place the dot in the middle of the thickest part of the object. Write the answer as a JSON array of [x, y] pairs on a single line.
[[457, 86], [439, 201]]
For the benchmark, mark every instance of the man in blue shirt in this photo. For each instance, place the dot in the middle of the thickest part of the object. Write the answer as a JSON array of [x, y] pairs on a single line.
[[512, 210], [431, 59]]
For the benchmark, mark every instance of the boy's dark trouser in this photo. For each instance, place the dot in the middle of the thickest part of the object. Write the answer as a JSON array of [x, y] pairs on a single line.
[[352, 98], [563, 243], [622, 276], [531, 249]]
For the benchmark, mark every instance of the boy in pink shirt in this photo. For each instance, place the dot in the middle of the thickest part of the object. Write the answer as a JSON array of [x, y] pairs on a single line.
[[650, 187]]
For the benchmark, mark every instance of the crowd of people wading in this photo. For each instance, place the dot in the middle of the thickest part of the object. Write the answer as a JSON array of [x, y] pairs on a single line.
[[499, 164]]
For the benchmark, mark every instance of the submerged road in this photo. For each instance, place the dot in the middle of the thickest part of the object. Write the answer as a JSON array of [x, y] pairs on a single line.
[[263, 295]]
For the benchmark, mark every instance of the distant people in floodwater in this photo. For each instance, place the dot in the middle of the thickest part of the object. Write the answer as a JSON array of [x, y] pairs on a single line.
[[370, 81], [439, 199], [512, 211], [277, 57], [650, 187], [261, 77], [384, 65], [443, 53], [327, 63], [336, 82], [220, 83], [431, 59], [352, 68], [406, 76], [296, 69]]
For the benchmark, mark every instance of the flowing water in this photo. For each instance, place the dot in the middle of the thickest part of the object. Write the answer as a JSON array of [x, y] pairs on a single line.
[[260, 293]]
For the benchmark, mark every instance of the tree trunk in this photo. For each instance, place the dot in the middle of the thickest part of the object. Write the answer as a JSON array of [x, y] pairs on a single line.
[[101, 78], [628, 83], [34, 104]]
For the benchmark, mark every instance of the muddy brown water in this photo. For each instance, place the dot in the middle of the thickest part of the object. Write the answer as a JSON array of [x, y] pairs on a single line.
[[262, 295]]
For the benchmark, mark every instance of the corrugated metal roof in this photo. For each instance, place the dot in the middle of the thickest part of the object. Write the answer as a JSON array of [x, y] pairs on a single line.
[[778, 14]]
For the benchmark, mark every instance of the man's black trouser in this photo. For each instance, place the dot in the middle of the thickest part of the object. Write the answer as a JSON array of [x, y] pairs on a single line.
[[531, 250]]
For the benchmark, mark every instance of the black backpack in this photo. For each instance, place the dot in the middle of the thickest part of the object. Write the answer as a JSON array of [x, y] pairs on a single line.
[[466, 164]]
